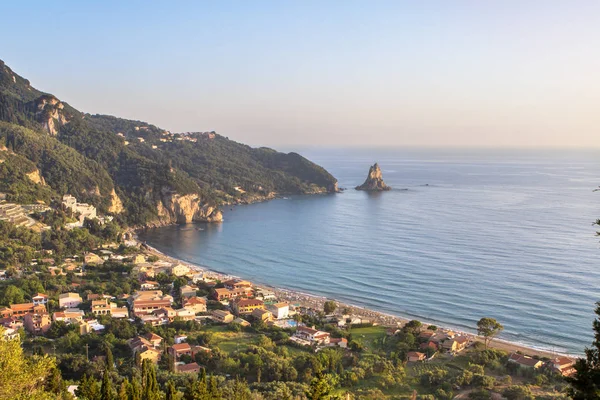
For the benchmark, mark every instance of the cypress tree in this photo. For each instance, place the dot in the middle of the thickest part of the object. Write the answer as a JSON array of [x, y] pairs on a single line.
[[171, 391], [106, 389]]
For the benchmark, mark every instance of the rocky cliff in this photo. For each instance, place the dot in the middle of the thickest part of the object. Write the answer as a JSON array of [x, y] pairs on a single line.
[[183, 209], [48, 112], [374, 181]]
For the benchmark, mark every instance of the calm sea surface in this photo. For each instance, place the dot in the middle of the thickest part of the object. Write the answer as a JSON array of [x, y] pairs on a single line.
[[463, 234]]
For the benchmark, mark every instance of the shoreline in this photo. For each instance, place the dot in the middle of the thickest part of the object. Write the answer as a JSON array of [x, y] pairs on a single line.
[[314, 301]]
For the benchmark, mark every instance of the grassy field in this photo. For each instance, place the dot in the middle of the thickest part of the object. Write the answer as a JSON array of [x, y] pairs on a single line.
[[371, 337], [230, 341]]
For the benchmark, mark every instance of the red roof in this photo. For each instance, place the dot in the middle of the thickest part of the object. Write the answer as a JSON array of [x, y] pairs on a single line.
[[181, 347]]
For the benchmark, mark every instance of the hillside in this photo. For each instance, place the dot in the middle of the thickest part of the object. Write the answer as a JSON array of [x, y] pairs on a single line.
[[141, 173]]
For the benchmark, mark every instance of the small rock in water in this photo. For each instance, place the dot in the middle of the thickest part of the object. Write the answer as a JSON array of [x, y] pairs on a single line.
[[374, 182]]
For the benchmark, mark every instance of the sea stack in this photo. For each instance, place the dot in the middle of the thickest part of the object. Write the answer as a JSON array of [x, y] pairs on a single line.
[[374, 182]]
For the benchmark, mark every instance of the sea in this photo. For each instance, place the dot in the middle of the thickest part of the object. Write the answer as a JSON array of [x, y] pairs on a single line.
[[463, 234]]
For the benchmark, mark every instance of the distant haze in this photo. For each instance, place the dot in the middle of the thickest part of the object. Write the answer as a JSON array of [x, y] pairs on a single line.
[[324, 73]]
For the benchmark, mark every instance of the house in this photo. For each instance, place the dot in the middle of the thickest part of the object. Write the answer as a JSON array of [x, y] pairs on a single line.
[[178, 350], [414, 356], [22, 309], [70, 316], [262, 314], [149, 353], [149, 285], [100, 307], [90, 325], [237, 284], [241, 322], [138, 343], [246, 306], [118, 312], [340, 342], [185, 314], [39, 298], [165, 312], [91, 258], [191, 368], [69, 300], [188, 291], [279, 310], [428, 345], [145, 302], [138, 259], [562, 365], [525, 361], [36, 323], [226, 294], [196, 304], [154, 339], [312, 335], [456, 344], [180, 270], [10, 334], [180, 339], [222, 316]]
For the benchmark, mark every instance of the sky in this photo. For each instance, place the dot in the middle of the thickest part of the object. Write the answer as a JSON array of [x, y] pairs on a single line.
[[494, 73]]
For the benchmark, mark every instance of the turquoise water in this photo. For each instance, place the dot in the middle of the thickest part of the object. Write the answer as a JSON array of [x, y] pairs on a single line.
[[464, 234]]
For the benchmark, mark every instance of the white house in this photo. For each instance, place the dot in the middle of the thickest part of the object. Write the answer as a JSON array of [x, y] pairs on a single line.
[[69, 300], [279, 310]]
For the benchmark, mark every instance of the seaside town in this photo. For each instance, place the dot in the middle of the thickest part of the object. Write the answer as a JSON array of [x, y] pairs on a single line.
[[127, 304]]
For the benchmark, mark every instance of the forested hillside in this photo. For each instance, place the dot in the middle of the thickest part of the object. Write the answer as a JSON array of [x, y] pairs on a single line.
[[156, 175]]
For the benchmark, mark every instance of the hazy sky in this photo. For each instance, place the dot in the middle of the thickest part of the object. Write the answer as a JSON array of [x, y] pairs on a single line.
[[285, 73]]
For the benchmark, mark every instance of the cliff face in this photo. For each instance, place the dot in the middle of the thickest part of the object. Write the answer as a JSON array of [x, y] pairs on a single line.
[[116, 206], [175, 208], [374, 181], [48, 112], [36, 177]]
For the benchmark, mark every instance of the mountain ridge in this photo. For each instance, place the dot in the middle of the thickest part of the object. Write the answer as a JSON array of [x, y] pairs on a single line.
[[140, 173]]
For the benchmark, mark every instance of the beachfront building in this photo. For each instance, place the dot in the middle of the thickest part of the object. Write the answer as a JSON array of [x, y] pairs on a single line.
[[564, 366], [247, 306], [525, 361], [237, 284], [180, 270], [279, 310], [456, 344], [229, 294], [69, 300]]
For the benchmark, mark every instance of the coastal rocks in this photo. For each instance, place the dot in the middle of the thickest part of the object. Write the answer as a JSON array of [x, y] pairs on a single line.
[[374, 182], [183, 209]]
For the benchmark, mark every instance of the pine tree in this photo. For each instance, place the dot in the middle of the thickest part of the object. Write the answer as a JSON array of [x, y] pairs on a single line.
[[136, 389], [213, 388], [585, 383], [150, 391], [88, 389], [106, 389]]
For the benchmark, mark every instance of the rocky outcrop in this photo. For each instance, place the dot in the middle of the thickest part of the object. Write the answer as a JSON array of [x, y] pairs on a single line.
[[374, 182], [49, 112], [36, 177], [183, 209], [116, 205]]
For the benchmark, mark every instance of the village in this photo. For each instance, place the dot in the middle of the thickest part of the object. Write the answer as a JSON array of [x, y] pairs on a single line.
[[168, 292]]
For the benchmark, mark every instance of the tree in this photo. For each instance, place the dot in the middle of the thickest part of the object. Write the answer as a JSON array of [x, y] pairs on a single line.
[[413, 326], [88, 389], [21, 376], [488, 328], [585, 383], [171, 392], [12, 295], [329, 307], [106, 388], [110, 362], [125, 389]]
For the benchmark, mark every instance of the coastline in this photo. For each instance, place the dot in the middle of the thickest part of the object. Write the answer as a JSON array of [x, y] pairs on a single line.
[[316, 302]]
